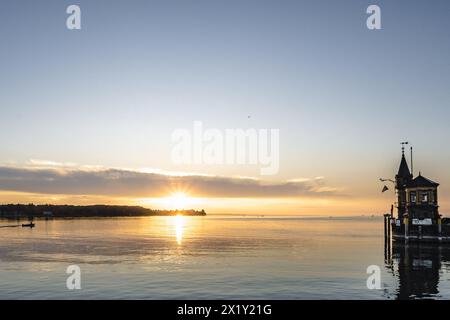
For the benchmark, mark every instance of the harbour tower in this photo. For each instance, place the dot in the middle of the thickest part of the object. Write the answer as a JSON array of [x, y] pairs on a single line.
[[418, 217], [417, 198]]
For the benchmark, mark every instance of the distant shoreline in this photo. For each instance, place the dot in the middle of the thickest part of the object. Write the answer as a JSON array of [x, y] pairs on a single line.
[[23, 211]]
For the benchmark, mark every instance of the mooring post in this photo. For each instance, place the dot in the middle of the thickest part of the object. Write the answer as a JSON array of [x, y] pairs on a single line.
[[386, 240], [406, 223], [389, 226], [439, 228]]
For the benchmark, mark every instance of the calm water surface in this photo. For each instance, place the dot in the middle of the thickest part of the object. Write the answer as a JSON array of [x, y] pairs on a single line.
[[216, 257]]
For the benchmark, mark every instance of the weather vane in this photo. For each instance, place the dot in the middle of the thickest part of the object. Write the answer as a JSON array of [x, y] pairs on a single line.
[[403, 146]]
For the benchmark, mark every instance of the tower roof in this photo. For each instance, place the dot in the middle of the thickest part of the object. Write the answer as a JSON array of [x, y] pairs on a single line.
[[421, 181], [403, 170]]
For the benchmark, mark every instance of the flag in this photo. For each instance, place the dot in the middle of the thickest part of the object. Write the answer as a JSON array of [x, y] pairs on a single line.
[[385, 188]]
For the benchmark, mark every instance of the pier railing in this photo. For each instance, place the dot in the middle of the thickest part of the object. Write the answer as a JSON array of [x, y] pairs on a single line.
[[436, 231]]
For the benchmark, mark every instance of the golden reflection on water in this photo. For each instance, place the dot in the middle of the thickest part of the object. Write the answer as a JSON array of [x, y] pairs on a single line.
[[316, 258], [179, 222]]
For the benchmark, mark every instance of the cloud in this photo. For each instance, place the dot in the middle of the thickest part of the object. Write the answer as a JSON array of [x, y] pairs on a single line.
[[129, 183]]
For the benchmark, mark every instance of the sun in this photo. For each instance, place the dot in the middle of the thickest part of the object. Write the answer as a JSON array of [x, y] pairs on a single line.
[[178, 201]]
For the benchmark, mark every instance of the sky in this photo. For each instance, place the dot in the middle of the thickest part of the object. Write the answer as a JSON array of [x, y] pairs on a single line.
[[88, 115]]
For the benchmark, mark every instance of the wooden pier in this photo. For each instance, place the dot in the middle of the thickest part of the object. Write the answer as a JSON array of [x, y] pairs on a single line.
[[408, 231]]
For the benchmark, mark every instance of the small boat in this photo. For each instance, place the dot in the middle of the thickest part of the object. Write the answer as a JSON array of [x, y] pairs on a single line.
[[28, 225]]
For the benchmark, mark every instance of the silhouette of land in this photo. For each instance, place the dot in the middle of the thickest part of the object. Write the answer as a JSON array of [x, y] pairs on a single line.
[[71, 211]]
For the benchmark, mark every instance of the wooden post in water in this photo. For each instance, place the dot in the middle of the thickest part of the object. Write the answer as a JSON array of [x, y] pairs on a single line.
[[385, 227], [439, 221], [406, 223], [389, 227], [387, 238]]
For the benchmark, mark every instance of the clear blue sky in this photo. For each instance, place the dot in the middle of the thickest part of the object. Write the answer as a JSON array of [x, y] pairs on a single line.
[[342, 96]]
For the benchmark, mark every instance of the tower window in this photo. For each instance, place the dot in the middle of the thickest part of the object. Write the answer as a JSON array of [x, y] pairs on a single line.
[[424, 196], [413, 197]]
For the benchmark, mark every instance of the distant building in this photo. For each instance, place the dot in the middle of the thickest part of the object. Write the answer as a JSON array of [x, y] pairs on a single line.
[[416, 197], [418, 218]]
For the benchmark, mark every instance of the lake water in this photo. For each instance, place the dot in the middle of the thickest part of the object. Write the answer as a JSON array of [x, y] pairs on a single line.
[[216, 257]]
